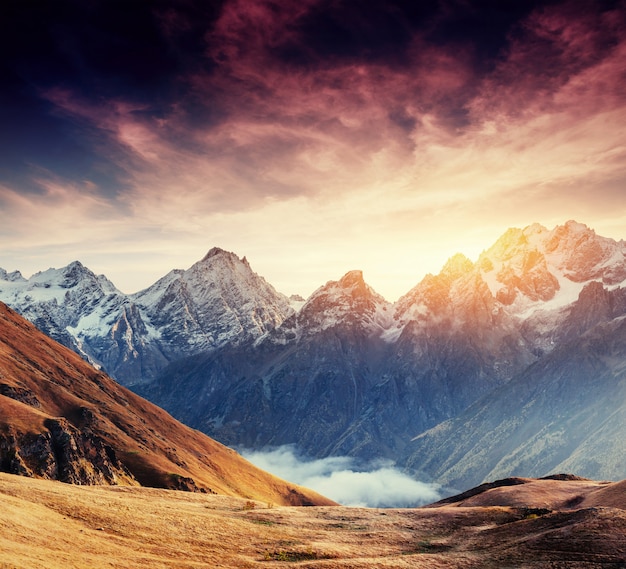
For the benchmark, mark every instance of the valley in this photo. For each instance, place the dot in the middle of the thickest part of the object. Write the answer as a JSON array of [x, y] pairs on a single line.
[[318, 284]]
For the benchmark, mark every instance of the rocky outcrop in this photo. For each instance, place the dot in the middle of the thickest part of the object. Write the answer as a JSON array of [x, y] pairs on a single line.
[[21, 394], [62, 453]]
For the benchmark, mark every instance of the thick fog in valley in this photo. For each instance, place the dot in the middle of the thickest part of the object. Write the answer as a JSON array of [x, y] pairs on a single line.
[[376, 484]]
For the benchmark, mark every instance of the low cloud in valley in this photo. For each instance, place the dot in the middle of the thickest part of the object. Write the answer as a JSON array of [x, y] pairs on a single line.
[[375, 485]]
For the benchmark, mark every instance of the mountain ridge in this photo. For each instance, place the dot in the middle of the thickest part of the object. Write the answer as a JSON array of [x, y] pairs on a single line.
[[218, 300], [442, 347], [347, 372]]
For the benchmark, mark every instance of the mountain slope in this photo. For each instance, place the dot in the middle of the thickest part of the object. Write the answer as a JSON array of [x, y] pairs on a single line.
[[345, 375], [567, 412], [536, 524], [62, 419], [306, 380]]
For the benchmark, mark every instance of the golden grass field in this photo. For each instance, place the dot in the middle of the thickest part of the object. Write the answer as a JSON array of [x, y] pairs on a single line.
[[48, 524]]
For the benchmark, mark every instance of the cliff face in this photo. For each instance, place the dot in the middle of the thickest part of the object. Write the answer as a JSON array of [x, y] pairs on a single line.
[[62, 452]]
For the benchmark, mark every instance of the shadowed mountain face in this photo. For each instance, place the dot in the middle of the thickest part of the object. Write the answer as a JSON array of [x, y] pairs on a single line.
[[348, 373], [61, 419], [567, 412], [330, 381]]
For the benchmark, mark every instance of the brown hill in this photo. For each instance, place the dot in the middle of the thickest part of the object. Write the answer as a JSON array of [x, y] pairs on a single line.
[[552, 493], [62, 419]]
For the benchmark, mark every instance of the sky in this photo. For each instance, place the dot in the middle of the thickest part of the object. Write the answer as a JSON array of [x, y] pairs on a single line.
[[313, 137]]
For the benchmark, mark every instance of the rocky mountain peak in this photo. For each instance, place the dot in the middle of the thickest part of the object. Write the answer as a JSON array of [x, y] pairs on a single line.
[[218, 254], [350, 300], [457, 266], [582, 255], [75, 273], [221, 260], [351, 292], [513, 245], [14, 276], [436, 295], [534, 264], [217, 301], [570, 237], [215, 252], [353, 280]]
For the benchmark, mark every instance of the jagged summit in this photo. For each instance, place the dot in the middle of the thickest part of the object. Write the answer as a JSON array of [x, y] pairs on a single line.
[[220, 257], [11, 277], [351, 279], [348, 300], [217, 252], [530, 266], [347, 303], [457, 266]]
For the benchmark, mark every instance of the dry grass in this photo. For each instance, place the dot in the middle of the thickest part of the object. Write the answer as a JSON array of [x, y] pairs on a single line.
[[51, 525]]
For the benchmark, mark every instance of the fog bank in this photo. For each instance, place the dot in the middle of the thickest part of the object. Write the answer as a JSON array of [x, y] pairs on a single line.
[[376, 485]]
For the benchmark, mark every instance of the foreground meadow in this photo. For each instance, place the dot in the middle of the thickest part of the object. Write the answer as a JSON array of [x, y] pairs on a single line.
[[53, 525]]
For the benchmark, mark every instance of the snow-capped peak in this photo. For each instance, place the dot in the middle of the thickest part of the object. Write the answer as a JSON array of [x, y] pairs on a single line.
[[218, 252], [537, 268], [219, 299], [14, 276], [349, 301], [457, 266]]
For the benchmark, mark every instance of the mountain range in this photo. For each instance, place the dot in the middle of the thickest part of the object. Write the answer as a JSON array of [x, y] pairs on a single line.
[[218, 301], [510, 365]]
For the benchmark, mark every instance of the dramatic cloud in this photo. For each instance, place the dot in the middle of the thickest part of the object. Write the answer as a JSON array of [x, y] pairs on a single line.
[[305, 134], [375, 486]]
